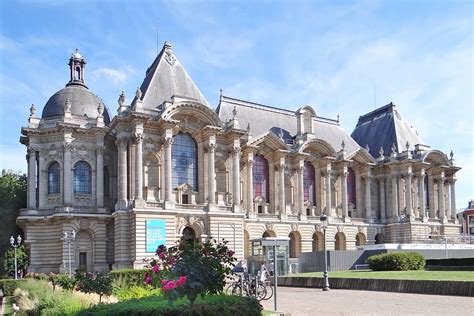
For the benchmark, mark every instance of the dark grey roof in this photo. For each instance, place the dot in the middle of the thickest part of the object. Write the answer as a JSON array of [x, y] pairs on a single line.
[[382, 128], [263, 118], [83, 103], [167, 77]]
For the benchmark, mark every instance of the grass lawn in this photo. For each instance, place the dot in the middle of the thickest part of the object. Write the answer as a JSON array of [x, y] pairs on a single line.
[[7, 306], [401, 275]]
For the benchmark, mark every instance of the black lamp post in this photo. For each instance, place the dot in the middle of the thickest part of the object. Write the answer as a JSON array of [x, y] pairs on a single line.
[[324, 225], [16, 245]]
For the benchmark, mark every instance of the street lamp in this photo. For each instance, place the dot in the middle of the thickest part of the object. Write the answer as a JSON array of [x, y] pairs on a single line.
[[69, 238], [324, 225], [16, 245]]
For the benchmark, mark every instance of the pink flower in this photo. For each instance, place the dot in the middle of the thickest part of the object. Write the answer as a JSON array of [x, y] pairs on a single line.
[[162, 256], [171, 285], [181, 281], [165, 288], [164, 282], [155, 269], [148, 280], [230, 253]]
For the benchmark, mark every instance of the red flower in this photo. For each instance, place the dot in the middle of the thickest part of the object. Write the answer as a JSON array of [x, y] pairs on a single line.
[[148, 280], [181, 281], [171, 285], [162, 256], [155, 269], [164, 282], [147, 275], [165, 288], [230, 253]]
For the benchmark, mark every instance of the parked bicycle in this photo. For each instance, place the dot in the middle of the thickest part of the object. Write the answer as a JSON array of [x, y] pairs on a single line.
[[259, 290]]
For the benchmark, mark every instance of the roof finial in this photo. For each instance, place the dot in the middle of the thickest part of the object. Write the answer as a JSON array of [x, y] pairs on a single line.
[[394, 149], [100, 109], [248, 128], [338, 118], [381, 152], [234, 113], [33, 111], [67, 106], [407, 146], [451, 154], [138, 94], [121, 99], [221, 92], [343, 145]]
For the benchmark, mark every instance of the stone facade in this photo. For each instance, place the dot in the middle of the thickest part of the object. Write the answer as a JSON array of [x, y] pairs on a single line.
[[253, 171]]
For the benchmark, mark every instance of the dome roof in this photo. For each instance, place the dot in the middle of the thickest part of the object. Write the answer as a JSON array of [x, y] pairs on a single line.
[[83, 103]]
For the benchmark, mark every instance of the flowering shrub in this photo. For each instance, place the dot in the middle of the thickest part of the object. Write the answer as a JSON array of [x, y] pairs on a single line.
[[99, 283], [191, 269]]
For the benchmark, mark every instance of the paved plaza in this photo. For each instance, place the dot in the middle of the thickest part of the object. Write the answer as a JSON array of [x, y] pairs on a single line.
[[310, 301]]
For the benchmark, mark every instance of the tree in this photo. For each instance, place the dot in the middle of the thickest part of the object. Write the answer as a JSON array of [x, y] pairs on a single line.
[[12, 199], [22, 260]]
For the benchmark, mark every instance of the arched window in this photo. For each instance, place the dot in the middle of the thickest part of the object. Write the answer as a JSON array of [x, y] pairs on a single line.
[[308, 182], [184, 160], [351, 187], [82, 178], [53, 178], [260, 178], [106, 182]]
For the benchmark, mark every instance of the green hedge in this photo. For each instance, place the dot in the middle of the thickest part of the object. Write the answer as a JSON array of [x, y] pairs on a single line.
[[397, 261], [215, 305], [9, 285], [453, 262], [129, 277]]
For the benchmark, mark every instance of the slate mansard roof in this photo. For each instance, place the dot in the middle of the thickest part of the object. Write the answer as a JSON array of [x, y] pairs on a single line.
[[382, 128], [263, 118], [165, 78]]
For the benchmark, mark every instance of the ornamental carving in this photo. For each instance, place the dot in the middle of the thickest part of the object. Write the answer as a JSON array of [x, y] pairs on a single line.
[[318, 228], [170, 58], [340, 228], [270, 226], [294, 227]]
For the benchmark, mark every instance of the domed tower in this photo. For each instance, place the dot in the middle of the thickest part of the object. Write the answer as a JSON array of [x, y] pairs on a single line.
[[71, 177]]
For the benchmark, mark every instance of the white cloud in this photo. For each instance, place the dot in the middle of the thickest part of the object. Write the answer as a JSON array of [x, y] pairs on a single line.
[[117, 76]]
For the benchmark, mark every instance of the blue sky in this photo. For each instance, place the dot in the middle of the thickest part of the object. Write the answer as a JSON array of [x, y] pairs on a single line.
[[341, 57]]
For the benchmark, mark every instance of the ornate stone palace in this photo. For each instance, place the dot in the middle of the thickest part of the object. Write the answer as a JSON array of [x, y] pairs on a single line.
[[168, 166]]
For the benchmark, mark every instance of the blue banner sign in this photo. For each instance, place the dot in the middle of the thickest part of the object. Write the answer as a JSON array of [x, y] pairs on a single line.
[[155, 234]]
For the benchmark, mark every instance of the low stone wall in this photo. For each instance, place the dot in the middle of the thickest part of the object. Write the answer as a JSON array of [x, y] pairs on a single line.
[[457, 288]]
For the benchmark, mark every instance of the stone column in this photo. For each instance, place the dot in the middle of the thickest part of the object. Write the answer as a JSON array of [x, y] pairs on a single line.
[[31, 178], [408, 197], [168, 183], [250, 183], [236, 178], [453, 200], [345, 208], [383, 210], [394, 197], [100, 176], [368, 204], [67, 183], [122, 173], [211, 175], [138, 168], [441, 205], [201, 161], [281, 174], [328, 190], [422, 195]]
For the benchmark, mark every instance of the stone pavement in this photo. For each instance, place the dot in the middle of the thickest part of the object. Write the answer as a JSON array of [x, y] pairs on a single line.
[[311, 301]]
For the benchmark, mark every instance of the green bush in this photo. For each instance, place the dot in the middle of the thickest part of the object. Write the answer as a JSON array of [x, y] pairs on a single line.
[[397, 261], [453, 262], [9, 285], [212, 305], [129, 277], [100, 283], [134, 292], [64, 281]]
